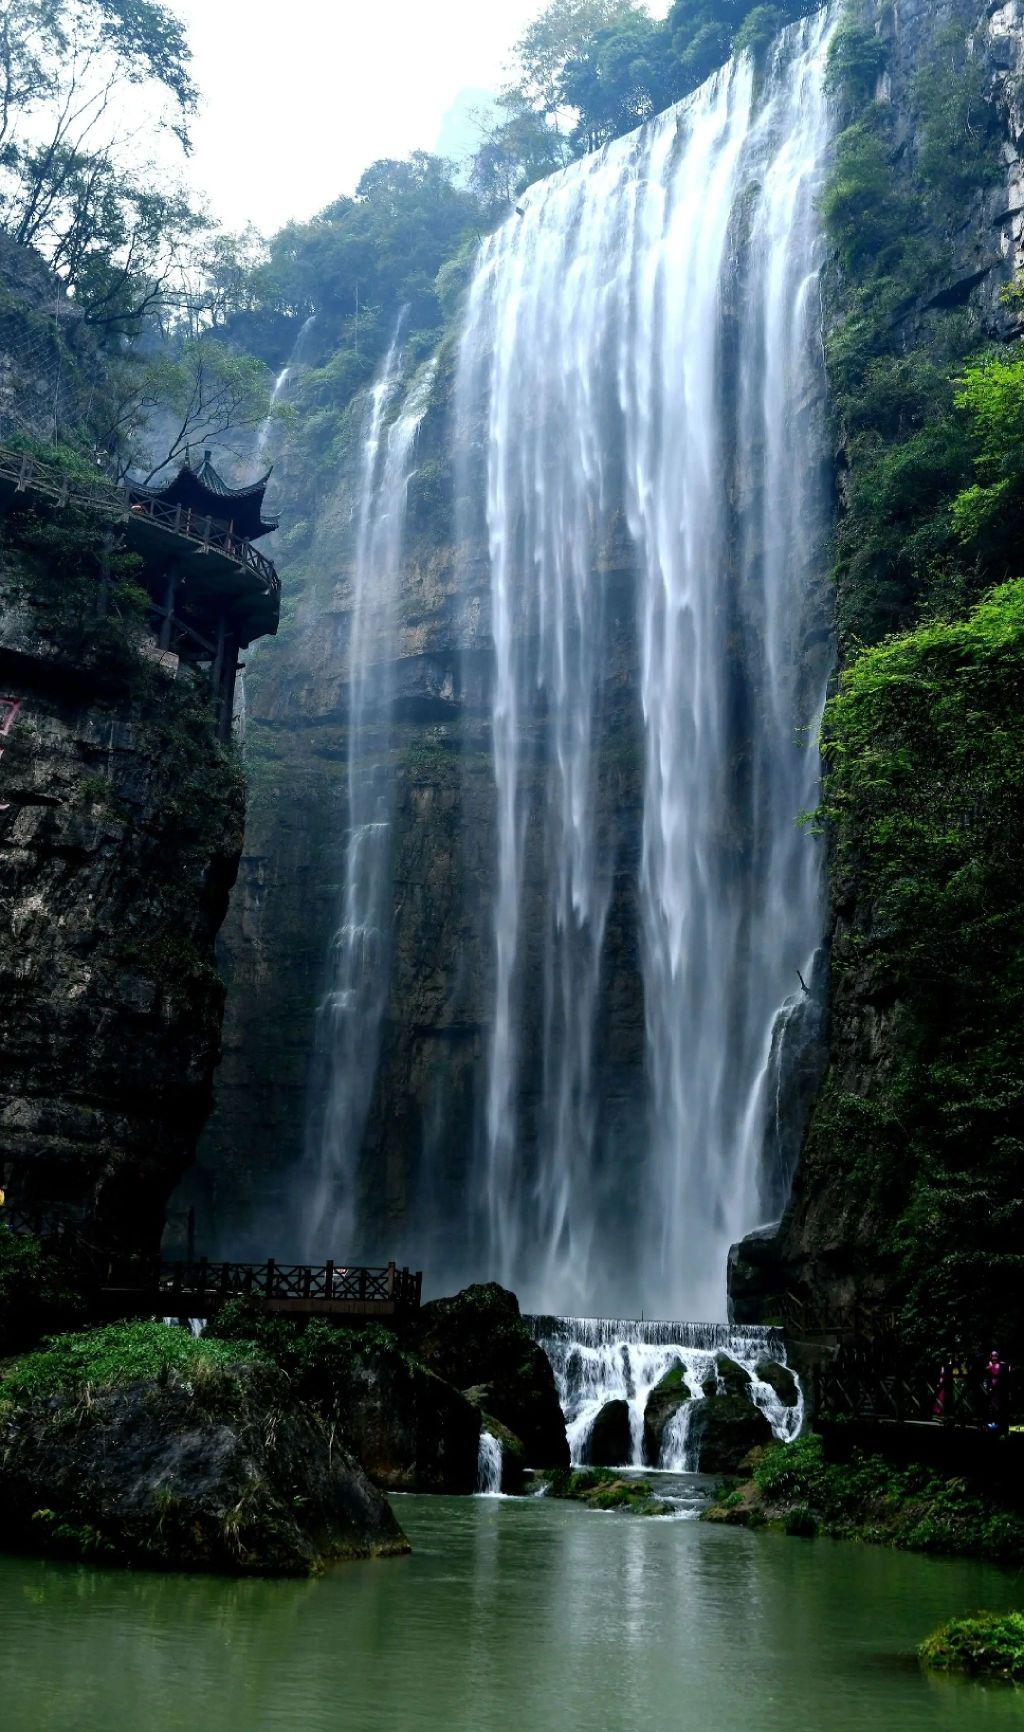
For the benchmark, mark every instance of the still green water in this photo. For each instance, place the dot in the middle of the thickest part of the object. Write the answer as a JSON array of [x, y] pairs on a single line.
[[523, 1616]]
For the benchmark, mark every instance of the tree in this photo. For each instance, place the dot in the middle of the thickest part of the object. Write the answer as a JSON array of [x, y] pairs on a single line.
[[563, 32], [190, 396], [73, 183]]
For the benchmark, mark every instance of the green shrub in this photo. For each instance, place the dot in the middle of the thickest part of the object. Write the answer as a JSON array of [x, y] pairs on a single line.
[[113, 1357], [990, 1644]]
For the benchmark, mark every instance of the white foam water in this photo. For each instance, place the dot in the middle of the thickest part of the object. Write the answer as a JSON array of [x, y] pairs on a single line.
[[598, 1360], [489, 1465]]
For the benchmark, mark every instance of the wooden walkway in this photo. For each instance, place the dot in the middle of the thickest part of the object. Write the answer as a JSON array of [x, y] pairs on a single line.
[[881, 1383], [285, 1289]]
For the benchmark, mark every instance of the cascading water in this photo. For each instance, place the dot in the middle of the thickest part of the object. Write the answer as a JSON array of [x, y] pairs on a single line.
[[489, 1465], [640, 409], [599, 1360], [350, 1014]]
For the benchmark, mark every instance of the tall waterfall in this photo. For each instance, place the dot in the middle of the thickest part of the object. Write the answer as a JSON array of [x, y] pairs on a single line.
[[640, 409], [350, 1014]]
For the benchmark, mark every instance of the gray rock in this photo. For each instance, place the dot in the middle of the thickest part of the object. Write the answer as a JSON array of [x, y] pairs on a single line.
[[610, 1443], [724, 1430]]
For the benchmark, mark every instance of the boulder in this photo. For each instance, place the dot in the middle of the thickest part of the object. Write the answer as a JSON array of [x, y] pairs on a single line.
[[610, 1444], [479, 1338], [781, 1379], [724, 1430], [663, 1403], [732, 1378], [221, 1470], [410, 1430]]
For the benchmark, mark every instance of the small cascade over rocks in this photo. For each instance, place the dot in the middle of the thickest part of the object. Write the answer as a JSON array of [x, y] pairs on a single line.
[[489, 1465], [597, 1361]]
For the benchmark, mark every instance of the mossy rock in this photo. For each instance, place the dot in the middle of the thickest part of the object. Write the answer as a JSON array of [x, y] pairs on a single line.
[[601, 1489], [479, 1337], [733, 1379], [781, 1379], [724, 1430], [206, 1466], [663, 1403], [610, 1444]]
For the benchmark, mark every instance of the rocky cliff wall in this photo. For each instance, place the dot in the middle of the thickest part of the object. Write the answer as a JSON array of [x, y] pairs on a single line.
[[120, 828]]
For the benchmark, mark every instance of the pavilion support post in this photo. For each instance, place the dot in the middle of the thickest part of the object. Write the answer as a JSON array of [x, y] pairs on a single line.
[[167, 625], [228, 677]]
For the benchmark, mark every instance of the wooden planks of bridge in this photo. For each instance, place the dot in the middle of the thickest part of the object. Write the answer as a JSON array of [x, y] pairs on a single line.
[[200, 1288]]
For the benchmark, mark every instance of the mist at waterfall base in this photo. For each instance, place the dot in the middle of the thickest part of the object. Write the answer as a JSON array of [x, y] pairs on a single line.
[[641, 453]]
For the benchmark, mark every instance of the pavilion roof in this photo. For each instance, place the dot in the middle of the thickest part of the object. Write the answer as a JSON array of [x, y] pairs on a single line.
[[205, 493]]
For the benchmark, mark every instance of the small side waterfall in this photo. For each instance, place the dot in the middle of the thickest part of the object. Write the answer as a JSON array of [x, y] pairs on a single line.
[[642, 449], [598, 1360], [489, 1465], [350, 1014], [280, 386]]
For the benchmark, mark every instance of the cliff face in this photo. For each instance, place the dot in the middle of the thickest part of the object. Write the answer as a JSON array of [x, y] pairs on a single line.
[[120, 828], [857, 1228]]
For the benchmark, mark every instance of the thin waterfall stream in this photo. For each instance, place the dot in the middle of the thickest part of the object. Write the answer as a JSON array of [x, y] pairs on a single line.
[[351, 1011]]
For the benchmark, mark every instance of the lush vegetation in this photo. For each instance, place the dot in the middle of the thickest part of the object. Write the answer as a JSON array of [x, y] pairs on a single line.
[[798, 1490], [925, 797], [989, 1645], [113, 1358], [925, 793]]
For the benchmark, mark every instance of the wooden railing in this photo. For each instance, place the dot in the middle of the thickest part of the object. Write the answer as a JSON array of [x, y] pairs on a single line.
[[302, 1283], [129, 503], [882, 1384]]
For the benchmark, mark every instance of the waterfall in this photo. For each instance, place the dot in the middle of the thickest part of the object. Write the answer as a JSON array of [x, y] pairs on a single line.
[[598, 1360], [489, 1464], [280, 386], [350, 1014], [642, 450]]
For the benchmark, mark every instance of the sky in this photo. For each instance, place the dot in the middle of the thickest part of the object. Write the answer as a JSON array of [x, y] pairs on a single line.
[[300, 95]]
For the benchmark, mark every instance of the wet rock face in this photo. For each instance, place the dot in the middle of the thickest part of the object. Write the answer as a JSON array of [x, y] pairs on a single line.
[[120, 830], [223, 1473], [610, 1443], [724, 1429], [479, 1338]]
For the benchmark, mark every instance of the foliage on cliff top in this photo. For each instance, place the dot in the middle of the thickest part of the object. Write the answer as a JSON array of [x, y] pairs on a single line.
[[925, 795], [987, 1645], [112, 1358], [869, 1498]]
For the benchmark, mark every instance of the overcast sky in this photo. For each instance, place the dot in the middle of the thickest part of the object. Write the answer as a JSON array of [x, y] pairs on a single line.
[[300, 95]]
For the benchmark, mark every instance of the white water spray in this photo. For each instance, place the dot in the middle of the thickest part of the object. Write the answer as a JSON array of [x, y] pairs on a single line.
[[640, 412]]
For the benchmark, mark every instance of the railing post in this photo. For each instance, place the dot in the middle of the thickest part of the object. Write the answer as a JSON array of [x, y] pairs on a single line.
[[270, 1277], [329, 1278], [203, 1275], [392, 1272]]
